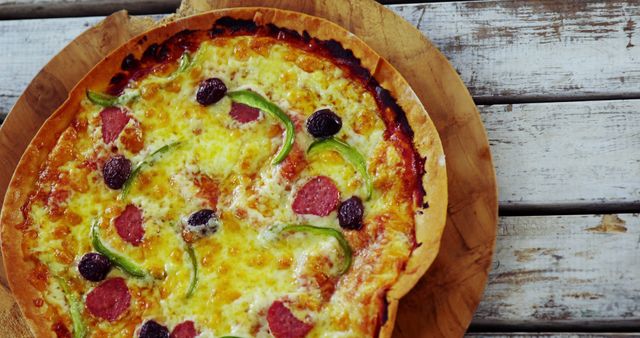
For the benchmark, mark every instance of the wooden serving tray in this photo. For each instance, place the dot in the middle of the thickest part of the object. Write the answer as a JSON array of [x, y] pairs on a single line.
[[443, 302]]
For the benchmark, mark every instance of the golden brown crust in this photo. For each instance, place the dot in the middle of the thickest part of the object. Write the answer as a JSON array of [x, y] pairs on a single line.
[[429, 222]]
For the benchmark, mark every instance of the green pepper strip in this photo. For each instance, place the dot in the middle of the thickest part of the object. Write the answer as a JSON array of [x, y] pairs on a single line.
[[75, 309], [101, 99], [117, 259], [254, 100], [346, 248], [110, 101], [349, 153], [194, 276], [148, 160], [185, 61]]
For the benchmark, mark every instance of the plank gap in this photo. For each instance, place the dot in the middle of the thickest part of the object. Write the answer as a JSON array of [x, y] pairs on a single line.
[[580, 334], [493, 100], [569, 209], [597, 326]]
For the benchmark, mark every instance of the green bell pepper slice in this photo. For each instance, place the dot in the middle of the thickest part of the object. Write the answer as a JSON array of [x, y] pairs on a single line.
[[126, 187], [116, 259], [185, 62], [254, 100], [194, 276], [75, 309], [349, 153], [344, 244], [109, 100], [101, 99]]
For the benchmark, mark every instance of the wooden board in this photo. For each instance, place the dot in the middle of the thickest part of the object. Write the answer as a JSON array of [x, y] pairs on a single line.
[[556, 157], [596, 140], [469, 237], [564, 271], [542, 50]]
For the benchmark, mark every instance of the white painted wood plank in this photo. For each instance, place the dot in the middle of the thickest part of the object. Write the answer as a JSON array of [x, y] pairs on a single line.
[[537, 50], [553, 271], [568, 154]]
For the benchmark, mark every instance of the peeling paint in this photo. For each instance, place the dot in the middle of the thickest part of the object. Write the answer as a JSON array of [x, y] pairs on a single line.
[[609, 224], [527, 255], [585, 295], [629, 28]]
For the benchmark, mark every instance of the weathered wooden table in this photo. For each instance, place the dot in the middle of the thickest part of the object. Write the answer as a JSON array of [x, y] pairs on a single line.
[[558, 87]]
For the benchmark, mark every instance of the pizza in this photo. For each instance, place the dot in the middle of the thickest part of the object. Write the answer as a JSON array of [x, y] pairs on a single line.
[[240, 173]]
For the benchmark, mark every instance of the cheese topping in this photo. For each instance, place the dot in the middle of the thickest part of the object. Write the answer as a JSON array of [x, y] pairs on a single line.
[[224, 165]]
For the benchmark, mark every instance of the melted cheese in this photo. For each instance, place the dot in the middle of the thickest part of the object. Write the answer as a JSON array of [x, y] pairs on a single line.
[[246, 265]]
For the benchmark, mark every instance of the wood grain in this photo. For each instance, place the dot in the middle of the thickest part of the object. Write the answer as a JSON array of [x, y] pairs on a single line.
[[469, 235], [564, 271], [543, 50], [579, 155], [11, 321]]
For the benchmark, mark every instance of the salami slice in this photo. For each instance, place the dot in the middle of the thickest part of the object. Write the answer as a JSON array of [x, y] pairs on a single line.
[[283, 324], [243, 113], [113, 121], [129, 225], [184, 330], [109, 299], [317, 197]]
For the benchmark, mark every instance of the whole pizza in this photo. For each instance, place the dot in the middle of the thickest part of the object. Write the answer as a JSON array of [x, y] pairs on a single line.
[[240, 173]]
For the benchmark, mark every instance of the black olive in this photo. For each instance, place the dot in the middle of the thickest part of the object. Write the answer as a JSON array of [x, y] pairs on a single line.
[[324, 123], [116, 171], [94, 266], [151, 329], [155, 52], [130, 63], [200, 217], [350, 213], [203, 222], [210, 91]]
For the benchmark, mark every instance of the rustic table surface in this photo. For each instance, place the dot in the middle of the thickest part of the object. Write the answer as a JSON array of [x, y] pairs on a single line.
[[558, 87]]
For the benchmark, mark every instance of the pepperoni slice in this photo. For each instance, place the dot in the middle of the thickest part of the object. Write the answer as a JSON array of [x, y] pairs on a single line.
[[184, 330], [317, 197], [283, 324], [243, 113], [129, 225], [113, 121], [109, 299]]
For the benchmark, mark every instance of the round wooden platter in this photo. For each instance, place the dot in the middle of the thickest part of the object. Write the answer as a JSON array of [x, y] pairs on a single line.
[[443, 302]]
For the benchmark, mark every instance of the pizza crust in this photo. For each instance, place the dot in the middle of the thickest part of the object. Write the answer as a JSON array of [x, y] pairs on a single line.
[[429, 222]]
